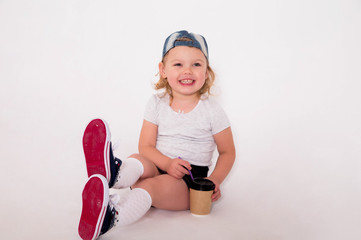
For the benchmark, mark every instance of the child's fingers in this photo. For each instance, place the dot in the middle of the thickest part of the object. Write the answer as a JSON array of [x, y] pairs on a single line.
[[183, 170], [176, 173], [217, 191], [216, 195], [184, 163]]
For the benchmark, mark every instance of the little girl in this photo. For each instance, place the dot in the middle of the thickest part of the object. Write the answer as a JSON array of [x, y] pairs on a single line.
[[181, 129]]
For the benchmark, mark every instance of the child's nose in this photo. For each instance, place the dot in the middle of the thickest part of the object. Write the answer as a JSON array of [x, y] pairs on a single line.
[[187, 69]]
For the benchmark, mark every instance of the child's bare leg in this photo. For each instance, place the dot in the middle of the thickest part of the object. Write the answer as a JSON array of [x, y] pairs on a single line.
[[150, 170], [137, 202], [161, 191], [133, 168], [166, 192]]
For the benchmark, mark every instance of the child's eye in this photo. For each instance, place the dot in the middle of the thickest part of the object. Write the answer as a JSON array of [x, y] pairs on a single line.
[[197, 65], [177, 64]]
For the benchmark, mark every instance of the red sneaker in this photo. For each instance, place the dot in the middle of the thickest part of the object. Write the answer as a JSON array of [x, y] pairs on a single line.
[[98, 151], [95, 205]]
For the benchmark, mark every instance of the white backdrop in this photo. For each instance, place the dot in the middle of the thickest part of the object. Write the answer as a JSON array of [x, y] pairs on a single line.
[[288, 75]]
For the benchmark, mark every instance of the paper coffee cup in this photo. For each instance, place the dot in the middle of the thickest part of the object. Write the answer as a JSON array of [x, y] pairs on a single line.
[[201, 191]]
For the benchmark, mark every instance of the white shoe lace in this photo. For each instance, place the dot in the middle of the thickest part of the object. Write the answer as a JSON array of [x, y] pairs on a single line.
[[114, 199], [113, 202]]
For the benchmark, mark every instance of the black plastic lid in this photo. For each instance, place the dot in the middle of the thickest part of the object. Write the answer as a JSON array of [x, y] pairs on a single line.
[[203, 184]]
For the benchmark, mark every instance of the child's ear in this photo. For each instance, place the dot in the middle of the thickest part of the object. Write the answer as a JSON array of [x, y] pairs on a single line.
[[161, 70]]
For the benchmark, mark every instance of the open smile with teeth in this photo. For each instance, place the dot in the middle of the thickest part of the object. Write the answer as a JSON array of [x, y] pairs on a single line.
[[186, 81]]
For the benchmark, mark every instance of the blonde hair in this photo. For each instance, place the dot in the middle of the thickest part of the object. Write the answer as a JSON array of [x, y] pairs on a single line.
[[206, 88]]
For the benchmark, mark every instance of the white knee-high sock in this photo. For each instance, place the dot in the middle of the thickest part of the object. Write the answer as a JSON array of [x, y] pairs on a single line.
[[129, 172], [132, 207]]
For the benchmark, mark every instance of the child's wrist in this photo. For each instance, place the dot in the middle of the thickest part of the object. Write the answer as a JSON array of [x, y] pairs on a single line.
[[215, 179], [168, 162]]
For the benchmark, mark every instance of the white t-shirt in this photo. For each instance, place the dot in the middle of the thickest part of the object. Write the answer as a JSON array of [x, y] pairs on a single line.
[[187, 135]]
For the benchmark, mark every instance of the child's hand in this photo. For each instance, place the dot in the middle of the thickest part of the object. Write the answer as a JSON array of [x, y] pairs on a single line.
[[178, 167], [217, 191]]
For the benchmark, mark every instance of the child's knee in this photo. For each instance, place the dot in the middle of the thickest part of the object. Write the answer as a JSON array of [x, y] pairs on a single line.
[[144, 183], [150, 170], [135, 155], [147, 184]]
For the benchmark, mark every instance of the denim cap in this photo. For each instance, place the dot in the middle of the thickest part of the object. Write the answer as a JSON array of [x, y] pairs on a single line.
[[197, 41]]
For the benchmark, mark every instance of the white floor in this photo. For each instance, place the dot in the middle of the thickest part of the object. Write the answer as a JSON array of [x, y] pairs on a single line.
[[43, 201]]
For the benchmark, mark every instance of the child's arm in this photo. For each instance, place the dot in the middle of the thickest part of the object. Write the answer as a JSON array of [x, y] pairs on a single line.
[[147, 148], [227, 154]]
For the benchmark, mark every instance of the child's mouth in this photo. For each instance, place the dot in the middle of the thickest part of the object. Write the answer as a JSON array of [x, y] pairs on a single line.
[[186, 81]]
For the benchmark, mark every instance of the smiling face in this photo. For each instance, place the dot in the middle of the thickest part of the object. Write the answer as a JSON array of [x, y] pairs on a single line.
[[185, 69]]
